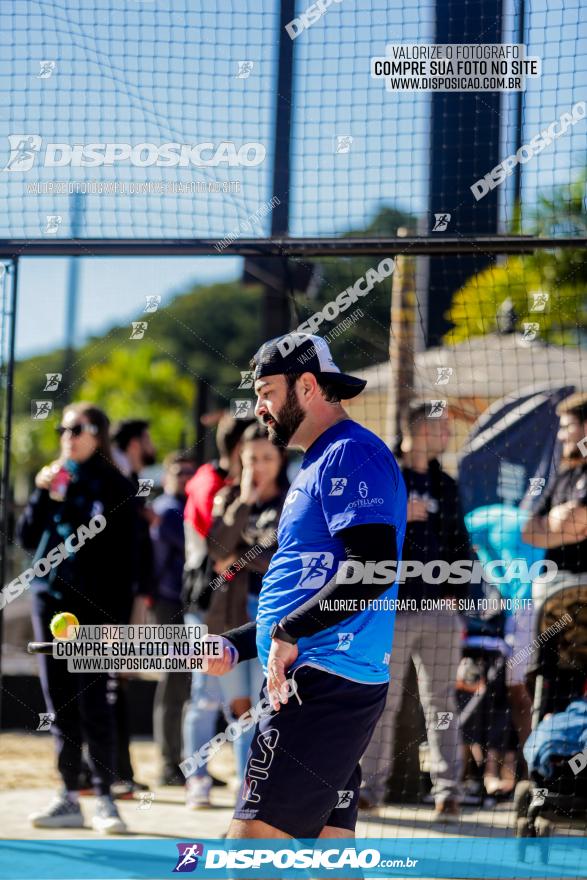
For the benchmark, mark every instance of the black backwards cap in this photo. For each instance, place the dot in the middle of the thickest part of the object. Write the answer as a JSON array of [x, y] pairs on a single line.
[[304, 353]]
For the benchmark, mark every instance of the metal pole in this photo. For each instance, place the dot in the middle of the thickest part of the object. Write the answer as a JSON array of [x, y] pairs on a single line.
[[519, 116], [71, 298], [401, 345], [302, 248], [5, 484], [283, 114], [460, 119], [276, 313], [201, 407]]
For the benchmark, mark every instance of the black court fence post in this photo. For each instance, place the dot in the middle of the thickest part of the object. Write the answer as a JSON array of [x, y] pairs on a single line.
[[7, 430], [71, 298], [519, 111], [276, 309], [201, 405], [464, 146], [276, 317]]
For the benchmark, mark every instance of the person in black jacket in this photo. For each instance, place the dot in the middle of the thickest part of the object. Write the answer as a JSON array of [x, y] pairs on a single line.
[[94, 583], [429, 635], [167, 535], [132, 451]]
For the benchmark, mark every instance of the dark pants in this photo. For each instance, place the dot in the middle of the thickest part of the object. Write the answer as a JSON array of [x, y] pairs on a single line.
[[117, 696], [81, 708], [172, 692]]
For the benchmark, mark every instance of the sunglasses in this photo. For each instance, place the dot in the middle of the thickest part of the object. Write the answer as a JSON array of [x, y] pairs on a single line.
[[76, 430]]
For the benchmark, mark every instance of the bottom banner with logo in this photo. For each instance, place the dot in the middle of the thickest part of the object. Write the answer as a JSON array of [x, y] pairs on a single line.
[[399, 857]]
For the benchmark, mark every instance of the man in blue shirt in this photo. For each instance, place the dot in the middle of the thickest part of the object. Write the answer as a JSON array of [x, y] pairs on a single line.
[[325, 617]]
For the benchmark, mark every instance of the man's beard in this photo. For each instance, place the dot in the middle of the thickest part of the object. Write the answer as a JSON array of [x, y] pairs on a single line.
[[286, 421]]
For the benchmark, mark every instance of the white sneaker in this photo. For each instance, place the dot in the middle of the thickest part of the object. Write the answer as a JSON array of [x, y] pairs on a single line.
[[198, 792], [107, 819], [62, 812]]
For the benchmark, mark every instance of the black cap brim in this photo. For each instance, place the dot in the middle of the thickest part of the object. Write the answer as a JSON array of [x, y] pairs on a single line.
[[305, 353], [347, 386]]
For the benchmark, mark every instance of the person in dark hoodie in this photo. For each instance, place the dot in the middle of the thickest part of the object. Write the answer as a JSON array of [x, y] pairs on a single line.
[[430, 637], [132, 451], [94, 582], [167, 535], [203, 706]]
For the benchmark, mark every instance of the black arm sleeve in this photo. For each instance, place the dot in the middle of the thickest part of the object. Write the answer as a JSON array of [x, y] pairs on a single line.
[[374, 542], [244, 639], [34, 519]]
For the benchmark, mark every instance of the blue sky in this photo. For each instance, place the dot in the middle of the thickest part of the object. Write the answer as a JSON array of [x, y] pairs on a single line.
[[155, 71]]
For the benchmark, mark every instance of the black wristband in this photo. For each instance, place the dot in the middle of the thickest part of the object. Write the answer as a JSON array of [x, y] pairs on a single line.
[[278, 632]]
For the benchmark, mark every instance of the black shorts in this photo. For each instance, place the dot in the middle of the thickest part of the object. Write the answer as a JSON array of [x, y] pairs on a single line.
[[303, 767]]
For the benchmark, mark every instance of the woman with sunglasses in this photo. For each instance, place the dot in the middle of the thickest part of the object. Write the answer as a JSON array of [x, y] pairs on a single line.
[[93, 582]]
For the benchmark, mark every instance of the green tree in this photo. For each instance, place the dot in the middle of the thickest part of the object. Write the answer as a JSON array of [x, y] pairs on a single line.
[[205, 333], [136, 380], [562, 274], [141, 381]]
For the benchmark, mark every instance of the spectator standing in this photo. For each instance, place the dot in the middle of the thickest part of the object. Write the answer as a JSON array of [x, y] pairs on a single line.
[[431, 638], [167, 535], [199, 724], [133, 450], [94, 583], [485, 717], [133, 447], [559, 526], [559, 523]]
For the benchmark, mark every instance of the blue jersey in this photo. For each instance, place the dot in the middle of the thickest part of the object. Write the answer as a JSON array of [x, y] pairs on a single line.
[[348, 477]]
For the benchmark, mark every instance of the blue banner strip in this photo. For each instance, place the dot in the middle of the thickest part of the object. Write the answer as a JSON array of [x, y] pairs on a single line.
[[151, 859]]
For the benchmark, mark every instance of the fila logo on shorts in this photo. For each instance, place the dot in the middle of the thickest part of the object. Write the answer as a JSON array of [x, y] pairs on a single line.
[[259, 767]]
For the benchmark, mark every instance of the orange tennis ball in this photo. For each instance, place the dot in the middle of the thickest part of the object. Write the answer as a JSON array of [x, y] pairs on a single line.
[[60, 623]]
